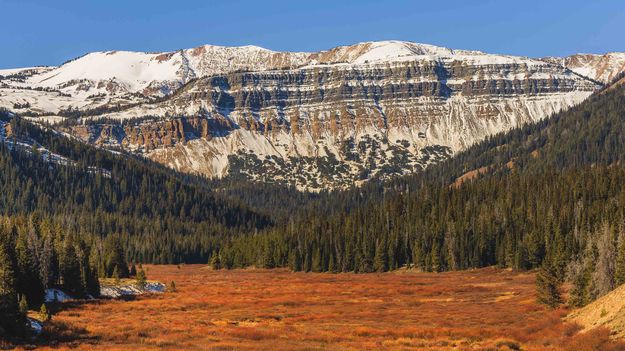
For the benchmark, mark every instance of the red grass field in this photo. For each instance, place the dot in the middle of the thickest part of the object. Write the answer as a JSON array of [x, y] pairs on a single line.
[[485, 309]]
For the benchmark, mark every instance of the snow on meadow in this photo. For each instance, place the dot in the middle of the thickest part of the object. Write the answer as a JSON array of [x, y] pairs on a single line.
[[56, 295], [117, 291]]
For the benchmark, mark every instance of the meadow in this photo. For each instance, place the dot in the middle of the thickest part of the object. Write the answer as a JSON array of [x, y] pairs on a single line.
[[486, 309]]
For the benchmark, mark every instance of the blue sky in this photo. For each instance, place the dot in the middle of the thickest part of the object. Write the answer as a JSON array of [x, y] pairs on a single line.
[[49, 32]]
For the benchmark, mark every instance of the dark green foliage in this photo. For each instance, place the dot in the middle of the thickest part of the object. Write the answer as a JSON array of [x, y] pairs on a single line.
[[550, 196], [13, 322], [215, 261], [581, 280], [28, 278], [550, 190], [141, 279], [115, 261], [620, 264], [29, 247], [548, 287], [159, 215]]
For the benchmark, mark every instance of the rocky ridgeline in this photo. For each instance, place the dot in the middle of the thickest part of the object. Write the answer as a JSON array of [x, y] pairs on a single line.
[[327, 119]]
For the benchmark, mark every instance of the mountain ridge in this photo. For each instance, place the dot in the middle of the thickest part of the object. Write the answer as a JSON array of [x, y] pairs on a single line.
[[322, 119]]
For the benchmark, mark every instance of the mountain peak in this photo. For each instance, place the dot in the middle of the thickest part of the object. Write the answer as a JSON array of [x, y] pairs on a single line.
[[393, 49]]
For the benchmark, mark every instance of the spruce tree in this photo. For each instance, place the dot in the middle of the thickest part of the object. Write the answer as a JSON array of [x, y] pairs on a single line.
[[216, 261], [548, 287], [23, 305], [141, 279], [70, 271], [579, 295], [44, 313], [115, 275], [380, 262], [12, 322], [115, 258], [28, 278]]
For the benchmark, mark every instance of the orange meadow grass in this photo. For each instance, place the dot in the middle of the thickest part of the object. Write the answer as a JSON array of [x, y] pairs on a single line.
[[486, 309]]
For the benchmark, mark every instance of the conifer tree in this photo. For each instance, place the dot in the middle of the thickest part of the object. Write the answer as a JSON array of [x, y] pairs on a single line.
[[70, 271], [216, 261], [548, 287], [12, 321], [23, 305], [620, 264], [28, 278], [48, 270], [579, 295], [115, 258], [115, 275], [380, 262], [44, 313], [141, 279], [332, 264]]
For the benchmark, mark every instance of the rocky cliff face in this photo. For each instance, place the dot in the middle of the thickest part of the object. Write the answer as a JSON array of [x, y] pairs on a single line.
[[328, 119], [601, 68]]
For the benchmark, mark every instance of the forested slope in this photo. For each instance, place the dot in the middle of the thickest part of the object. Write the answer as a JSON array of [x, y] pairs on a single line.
[[70, 214], [546, 193], [166, 216]]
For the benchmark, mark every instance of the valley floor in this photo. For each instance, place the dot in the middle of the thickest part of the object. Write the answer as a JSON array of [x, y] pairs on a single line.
[[279, 310]]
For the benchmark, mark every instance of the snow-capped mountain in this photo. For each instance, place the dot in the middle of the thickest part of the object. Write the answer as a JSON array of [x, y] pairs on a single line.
[[315, 120]]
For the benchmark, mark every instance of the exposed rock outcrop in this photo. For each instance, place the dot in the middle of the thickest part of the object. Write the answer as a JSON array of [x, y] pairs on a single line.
[[314, 120]]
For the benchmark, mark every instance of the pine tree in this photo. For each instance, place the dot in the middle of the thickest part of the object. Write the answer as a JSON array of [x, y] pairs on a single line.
[[436, 263], [28, 278], [316, 260], [12, 322], [216, 261], [70, 269], [548, 287], [93, 282], [268, 259], [579, 295], [48, 269], [141, 279], [332, 264], [133, 270], [44, 314], [115, 276], [116, 258], [380, 262], [23, 305]]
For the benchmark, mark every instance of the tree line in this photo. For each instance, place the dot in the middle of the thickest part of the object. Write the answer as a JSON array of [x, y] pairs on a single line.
[[39, 254], [545, 192]]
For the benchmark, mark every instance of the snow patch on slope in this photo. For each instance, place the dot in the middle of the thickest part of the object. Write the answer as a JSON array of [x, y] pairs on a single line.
[[131, 289], [134, 69]]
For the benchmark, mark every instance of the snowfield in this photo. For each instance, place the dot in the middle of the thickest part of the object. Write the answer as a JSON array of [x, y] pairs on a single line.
[[131, 289], [110, 77]]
